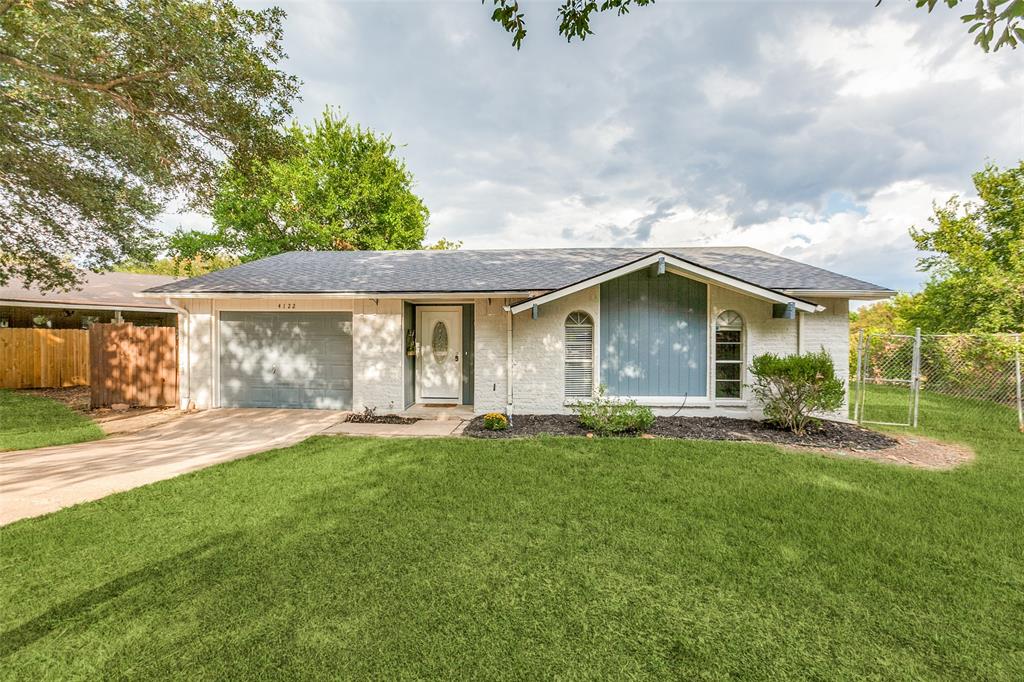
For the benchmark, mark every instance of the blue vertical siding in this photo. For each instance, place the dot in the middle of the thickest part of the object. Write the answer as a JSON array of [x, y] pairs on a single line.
[[654, 335]]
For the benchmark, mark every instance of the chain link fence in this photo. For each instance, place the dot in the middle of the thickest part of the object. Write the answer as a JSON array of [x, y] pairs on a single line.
[[904, 380]]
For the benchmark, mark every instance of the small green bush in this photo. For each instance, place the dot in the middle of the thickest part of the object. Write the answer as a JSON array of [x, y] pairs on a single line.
[[792, 387], [495, 421], [607, 416]]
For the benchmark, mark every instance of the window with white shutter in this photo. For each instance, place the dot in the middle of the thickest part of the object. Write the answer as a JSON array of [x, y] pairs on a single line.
[[579, 355]]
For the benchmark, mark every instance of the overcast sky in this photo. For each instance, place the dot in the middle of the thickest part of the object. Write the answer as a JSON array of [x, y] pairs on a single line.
[[819, 131]]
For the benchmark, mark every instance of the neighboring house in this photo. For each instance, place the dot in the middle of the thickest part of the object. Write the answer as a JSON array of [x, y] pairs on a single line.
[[517, 331], [102, 297]]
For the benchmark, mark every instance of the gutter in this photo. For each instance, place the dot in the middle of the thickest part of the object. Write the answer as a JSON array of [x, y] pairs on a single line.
[[509, 362], [185, 401]]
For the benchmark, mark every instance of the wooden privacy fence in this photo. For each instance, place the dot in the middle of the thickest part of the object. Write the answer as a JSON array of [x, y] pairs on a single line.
[[44, 358], [133, 365]]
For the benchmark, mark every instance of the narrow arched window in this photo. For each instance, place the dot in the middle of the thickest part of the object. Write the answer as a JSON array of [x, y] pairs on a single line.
[[579, 355], [729, 355]]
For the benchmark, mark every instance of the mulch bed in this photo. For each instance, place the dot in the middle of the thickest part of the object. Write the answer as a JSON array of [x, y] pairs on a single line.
[[830, 435], [364, 418]]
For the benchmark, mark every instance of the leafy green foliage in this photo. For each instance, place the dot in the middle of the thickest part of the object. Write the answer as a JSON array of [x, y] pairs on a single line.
[[339, 187], [178, 267], [792, 387], [495, 421], [609, 416], [29, 421], [574, 16], [443, 244], [975, 254], [110, 107], [985, 21]]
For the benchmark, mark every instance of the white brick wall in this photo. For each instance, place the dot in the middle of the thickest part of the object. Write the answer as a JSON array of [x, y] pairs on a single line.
[[539, 357], [378, 356], [490, 360], [828, 329]]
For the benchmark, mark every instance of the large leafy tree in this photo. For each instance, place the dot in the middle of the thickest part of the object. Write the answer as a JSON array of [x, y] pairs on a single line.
[[974, 252], [339, 187], [110, 107]]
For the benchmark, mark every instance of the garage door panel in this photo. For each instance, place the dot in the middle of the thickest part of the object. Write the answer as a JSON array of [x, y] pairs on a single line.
[[286, 360]]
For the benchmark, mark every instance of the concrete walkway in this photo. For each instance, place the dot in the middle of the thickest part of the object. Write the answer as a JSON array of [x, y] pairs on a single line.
[[34, 482]]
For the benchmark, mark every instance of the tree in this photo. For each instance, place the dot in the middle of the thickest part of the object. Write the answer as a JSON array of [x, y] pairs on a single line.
[[573, 16], [110, 107], [989, 19], [177, 267], [340, 187], [444, 244], [975, 255]]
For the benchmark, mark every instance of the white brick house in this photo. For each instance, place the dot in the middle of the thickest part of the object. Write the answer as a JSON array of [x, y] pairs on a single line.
[[517, 331]]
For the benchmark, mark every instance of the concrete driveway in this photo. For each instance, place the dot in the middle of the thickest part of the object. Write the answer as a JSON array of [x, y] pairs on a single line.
[[34, 482]]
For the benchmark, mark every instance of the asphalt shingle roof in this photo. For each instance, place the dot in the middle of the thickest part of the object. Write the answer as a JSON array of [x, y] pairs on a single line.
[[513, 270], [114, 289]]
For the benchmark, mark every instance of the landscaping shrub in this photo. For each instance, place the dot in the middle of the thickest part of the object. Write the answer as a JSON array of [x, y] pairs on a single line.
[[607, 416], [791, 387], [495, 421]]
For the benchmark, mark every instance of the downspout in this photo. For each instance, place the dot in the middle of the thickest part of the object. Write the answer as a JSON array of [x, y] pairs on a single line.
[[800, 332], [185, 402], [509, 361]]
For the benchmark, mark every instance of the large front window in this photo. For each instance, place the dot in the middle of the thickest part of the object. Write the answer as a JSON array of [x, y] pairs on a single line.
[[729, 355]]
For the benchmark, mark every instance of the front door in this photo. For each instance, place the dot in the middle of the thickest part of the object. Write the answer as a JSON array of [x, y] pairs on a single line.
[[439, 361]]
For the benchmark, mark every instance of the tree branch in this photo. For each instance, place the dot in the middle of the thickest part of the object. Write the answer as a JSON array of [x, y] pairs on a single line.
[[106, 86]]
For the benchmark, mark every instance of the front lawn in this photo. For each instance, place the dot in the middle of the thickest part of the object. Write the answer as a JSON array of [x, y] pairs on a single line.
[[28, 421], [553, 557]]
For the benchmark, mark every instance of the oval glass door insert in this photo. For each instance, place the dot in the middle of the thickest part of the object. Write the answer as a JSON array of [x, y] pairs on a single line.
[[439, 342]]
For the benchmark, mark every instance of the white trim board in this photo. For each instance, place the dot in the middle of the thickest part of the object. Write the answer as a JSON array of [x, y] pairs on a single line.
[[856, 294], [86, 306], [440, 296], [676, 266]]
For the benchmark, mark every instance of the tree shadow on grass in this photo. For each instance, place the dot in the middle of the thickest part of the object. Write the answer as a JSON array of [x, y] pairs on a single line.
[[75, 611]]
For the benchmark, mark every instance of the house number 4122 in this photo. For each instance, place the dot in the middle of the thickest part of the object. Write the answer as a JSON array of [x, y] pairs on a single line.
[[286, 306]]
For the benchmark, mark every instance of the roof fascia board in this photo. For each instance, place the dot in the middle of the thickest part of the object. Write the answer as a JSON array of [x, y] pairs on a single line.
[[408, 295], [677, 265], [858, 294], [87, 306]]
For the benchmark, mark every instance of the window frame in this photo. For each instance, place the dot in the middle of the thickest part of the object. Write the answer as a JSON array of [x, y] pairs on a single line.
[[736, 324], [584, 320]]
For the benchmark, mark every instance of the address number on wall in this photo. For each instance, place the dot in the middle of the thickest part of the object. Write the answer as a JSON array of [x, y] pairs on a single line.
[[286, 306]]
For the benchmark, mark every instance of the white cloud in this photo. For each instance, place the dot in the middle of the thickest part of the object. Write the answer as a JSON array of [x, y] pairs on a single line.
[[722, 87], [886, 54]]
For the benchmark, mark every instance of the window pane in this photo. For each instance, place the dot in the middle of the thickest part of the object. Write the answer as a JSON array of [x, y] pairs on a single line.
[[728, 335], [730, 371], [727, 389], [727, 351]]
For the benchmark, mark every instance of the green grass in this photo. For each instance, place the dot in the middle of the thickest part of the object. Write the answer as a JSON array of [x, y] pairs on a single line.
[[532, 559], [28, 421]]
